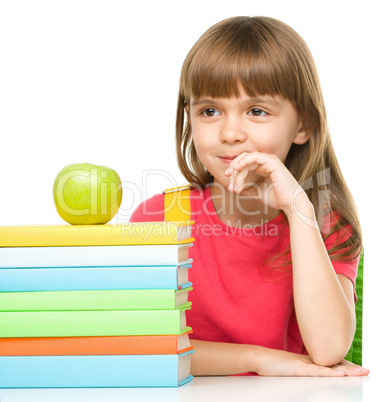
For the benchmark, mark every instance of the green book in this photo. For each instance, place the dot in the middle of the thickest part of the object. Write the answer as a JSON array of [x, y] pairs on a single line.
[[133, 299], [93, 323]]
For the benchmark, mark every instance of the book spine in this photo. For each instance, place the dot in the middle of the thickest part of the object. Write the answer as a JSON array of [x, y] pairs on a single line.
[[92, 323], [90, 371], [79, 256], [135, 299], [93, 235], [90, 278], [96, 345]]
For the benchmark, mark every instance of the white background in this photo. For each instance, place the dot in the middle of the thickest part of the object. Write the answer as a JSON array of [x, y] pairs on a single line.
[[97, 81]]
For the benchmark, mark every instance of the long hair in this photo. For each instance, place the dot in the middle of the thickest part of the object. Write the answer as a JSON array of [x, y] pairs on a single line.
[[267, 57]]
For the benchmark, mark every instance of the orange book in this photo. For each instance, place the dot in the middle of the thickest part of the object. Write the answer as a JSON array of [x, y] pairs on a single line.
[[96, 345]]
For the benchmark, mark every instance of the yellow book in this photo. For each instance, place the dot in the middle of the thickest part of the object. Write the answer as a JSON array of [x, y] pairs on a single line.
[[133, 233]]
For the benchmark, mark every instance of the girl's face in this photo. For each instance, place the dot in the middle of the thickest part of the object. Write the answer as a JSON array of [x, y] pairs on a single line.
[[222, 128]]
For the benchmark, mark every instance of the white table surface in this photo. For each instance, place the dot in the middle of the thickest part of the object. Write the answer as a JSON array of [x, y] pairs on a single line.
[[222, 389]]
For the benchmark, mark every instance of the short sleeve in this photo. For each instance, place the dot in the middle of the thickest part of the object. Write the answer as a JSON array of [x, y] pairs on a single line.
[[346, 268], [150, 210]]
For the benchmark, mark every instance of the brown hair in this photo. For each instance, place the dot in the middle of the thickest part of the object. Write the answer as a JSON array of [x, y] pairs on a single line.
[[268, 57]]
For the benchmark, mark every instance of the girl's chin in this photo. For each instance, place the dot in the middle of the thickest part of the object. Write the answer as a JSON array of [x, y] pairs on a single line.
[[219, 187]]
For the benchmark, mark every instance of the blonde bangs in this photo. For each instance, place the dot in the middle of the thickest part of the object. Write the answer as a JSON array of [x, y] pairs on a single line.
[[224, 59]]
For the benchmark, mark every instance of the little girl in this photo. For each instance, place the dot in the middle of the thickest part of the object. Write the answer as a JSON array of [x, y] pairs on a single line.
[[277, 235]]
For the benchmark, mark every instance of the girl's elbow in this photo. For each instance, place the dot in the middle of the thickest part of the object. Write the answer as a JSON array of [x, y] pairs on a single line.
[[333, 349], [330, 356], [327, 359]]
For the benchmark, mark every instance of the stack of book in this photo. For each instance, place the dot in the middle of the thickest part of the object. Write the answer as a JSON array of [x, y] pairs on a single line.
[[95, 306]]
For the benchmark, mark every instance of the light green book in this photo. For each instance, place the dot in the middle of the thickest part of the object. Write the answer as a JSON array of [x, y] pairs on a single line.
[[93, 323], [133, 299]]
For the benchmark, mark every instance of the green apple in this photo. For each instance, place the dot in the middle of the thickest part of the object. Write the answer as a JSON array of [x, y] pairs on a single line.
[[86, 194]]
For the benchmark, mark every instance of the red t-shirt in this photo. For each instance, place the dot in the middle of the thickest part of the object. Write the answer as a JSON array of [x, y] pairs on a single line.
[[234, 298]]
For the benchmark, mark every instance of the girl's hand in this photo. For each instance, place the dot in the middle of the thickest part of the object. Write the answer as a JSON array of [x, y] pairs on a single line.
[[281, 363], [264, 177]]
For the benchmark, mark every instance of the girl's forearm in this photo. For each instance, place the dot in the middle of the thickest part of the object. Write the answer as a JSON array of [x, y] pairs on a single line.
[[217, 358], [325, 317]]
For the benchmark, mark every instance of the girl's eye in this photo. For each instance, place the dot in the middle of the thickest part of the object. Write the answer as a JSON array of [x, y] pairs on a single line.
[[209, 112], [257, 112]]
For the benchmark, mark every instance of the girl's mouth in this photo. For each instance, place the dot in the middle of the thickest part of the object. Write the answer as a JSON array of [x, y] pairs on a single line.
[[227, 159]]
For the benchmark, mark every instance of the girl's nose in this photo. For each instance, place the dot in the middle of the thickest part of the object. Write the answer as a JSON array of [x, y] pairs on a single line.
[[232, 131]]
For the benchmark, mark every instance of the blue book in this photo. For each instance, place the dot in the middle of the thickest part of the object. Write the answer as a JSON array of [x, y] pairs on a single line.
[[95, 371], [94, 278], [94, 256]]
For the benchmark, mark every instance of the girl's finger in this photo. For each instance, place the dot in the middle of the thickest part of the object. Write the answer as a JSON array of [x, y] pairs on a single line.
[[341, 370], [231, 171], [236, 161], [240, 177], [312, 370], [330, 372], [352, 370], [264, 164], [240, 163], [240, 157], [232, 180]]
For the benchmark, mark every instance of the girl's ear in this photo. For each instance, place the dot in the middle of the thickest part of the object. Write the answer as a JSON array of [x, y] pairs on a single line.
[[304, 133]]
